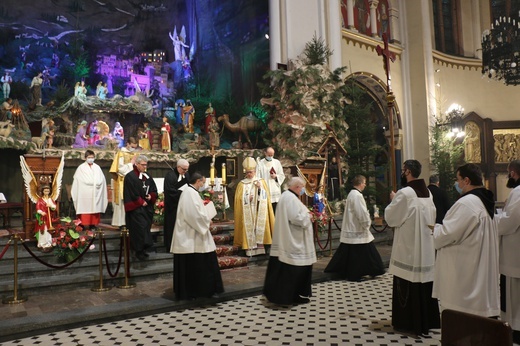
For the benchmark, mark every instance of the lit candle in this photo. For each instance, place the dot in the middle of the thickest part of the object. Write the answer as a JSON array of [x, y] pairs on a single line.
[[212, 174], [223, 173]]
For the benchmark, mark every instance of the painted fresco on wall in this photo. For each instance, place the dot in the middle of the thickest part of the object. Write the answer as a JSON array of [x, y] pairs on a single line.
[[383, 18], [361, 13], [362, 16]]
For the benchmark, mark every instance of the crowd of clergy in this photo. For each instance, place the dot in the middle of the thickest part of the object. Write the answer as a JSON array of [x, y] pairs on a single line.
[[464, 261]]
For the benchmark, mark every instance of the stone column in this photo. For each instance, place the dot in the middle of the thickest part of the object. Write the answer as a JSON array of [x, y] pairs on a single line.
[[334, 29], [373, 17], [350, 15], [275, 34]]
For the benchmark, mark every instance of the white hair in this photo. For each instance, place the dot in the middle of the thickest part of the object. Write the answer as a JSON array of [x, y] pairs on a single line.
[[295, 181], [182, 163]]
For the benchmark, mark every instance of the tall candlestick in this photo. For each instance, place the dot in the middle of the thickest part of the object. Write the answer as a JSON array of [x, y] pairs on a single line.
[[223, 173], [212, 174]]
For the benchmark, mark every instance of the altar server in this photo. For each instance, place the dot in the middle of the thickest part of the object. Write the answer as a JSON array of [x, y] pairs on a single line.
[[195, 266], [289, 272], [89, 191], [466, 268]]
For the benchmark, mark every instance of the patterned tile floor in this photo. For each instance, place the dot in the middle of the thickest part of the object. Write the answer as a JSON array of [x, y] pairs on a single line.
[[340, 313]]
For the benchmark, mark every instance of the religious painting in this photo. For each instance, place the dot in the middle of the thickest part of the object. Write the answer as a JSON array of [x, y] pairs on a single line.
[[362, 17], [506, 145], [472, 152], [231, 165], [344, 14], [383, 18]]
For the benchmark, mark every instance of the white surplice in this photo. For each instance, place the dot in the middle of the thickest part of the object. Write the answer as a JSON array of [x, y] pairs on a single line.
[[355, 228], [413, 255], [191, 233], [466, 269], [263, 171], [293, 241], [509, 260]]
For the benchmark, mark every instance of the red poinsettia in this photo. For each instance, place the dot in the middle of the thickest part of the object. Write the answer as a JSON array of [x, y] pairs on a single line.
[[71, 240]]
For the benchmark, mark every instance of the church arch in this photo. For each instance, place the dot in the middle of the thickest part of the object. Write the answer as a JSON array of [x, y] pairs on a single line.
[[376, 95]]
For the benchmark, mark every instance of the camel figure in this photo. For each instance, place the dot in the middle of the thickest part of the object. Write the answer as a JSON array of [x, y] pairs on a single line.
[[246, 124]]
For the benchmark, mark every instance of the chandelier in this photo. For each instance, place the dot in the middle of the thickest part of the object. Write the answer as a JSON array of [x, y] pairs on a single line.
[[501, 51], [453, 123]]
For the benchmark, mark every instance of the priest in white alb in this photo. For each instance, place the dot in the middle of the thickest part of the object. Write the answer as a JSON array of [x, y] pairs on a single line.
[[271, 170]]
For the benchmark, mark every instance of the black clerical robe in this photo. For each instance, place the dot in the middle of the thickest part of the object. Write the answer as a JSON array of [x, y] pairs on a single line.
[[172, 194], [138, 217]]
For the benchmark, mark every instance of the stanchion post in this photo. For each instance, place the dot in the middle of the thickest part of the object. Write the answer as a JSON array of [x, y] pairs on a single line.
[[100, 235], [330, 236], [124, 235], [15, 299]]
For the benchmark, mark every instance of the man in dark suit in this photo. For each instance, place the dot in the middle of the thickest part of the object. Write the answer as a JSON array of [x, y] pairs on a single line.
[[440, 198], [172, 182]]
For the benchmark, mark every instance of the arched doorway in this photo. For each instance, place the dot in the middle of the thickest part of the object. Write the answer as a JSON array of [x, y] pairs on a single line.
[[374, 96]]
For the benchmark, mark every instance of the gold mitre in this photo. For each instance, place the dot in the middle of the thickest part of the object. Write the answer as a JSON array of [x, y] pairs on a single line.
[[249, 164]]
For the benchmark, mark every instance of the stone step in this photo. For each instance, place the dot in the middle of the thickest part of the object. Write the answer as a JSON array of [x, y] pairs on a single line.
[[226, 250], [227, 262]]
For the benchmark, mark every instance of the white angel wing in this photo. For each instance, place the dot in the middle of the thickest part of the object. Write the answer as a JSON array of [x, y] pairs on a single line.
[[56, 183], [31, 185], [183, 34]]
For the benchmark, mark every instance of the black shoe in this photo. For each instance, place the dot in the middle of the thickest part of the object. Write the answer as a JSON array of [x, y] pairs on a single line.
[[141, 256]]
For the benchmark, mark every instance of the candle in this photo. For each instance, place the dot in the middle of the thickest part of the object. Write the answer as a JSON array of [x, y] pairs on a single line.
[[212, 174], [223, 173]]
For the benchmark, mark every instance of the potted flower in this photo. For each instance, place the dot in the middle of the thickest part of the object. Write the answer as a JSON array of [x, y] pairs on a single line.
[[71, 240]]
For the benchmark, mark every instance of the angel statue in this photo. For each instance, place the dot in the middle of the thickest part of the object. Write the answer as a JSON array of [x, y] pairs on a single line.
[[316, 192], [45, 199]]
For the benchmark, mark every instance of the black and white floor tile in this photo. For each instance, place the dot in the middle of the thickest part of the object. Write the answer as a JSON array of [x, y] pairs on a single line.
[[340, 313]]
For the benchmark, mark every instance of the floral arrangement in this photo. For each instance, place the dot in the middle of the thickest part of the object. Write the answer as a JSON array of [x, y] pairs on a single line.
[[320, 219], [213, 196], [158, 210], [71, 240]]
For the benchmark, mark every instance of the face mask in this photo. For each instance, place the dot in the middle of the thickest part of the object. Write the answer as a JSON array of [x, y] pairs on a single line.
[[456, 185], [202, 188], [302, 191], [90, 161], [269, 158], [404, 183], [512, 183]]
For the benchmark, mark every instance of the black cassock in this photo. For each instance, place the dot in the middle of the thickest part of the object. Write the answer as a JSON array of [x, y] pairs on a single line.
[[172, 194], [139, 218]]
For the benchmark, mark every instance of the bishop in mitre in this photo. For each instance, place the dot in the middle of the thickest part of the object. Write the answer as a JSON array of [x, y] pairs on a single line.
[[254, 216]]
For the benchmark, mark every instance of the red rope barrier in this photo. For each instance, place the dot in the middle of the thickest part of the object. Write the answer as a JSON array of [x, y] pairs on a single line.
[[316, 235], [54, 266], [119, 260], [5, 249], [381, 231]]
